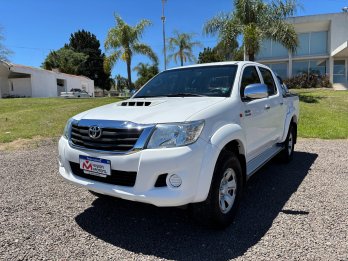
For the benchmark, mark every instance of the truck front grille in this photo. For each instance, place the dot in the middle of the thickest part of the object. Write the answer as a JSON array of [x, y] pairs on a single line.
[[117, 177], [110, 140]]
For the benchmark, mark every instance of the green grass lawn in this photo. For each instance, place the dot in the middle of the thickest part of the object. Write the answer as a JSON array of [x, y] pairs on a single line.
[[44, 117], [323, 114]]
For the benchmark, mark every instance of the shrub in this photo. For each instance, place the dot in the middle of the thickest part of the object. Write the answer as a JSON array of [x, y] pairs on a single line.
[[311, 80]]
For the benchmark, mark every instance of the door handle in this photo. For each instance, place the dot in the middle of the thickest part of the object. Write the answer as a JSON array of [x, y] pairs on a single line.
[[281, 103], [267, 107]]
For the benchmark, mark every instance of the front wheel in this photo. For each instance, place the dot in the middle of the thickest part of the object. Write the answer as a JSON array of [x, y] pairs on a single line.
[[220, 207]]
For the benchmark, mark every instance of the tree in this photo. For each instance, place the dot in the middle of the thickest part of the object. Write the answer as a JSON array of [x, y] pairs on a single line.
[[227, 49], [87, 43], [223, 51], [4, 52], [123, 41], [145, 72], [121, 82], [181, 45], [65, 59], [256, 20], [209, 56]]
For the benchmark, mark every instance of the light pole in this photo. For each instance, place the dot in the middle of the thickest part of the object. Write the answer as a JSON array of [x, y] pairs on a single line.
[[163, 18]]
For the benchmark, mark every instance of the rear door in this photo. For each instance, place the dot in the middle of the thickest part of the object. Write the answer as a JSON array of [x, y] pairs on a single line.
[[274, 107], [254, 117]]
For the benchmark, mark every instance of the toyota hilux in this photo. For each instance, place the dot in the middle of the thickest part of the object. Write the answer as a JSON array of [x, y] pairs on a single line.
[[191, 136]]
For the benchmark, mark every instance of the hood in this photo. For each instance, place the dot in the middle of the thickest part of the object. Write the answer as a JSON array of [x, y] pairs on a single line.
[[151, 110]]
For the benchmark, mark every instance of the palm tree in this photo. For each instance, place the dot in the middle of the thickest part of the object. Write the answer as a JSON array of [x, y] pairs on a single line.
[[182, 42], [141, 68], [123, 42], [145, 72], [256, 20]]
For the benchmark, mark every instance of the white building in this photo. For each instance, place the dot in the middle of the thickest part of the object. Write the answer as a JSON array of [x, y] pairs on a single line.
[[323, 47], [24, 81]]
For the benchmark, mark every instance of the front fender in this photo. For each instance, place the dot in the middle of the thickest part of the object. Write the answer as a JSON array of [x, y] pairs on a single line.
[[217, 142], [228, 133]]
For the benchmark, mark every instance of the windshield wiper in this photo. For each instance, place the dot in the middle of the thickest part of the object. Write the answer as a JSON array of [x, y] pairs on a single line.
[[185, 94]]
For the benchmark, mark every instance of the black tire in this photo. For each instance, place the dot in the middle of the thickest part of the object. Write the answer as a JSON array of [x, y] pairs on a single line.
[[287, 153], [209, 211]]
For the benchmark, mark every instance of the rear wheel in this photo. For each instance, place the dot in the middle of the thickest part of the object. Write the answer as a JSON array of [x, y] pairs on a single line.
[[220, 207]]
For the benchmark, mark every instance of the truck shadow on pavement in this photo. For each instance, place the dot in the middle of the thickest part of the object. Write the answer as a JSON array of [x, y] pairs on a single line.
[[170, 232]]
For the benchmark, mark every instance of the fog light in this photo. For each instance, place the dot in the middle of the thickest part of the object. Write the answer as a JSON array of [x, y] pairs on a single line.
[[175, 180]]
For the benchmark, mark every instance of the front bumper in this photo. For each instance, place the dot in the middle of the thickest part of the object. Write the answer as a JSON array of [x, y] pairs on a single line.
[[184, 161]]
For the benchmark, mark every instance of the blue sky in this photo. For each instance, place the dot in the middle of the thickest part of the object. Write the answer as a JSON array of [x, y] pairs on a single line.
[[33, 28]]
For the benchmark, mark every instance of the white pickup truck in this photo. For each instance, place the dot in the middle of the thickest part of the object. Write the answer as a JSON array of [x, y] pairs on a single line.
[[190, 136]]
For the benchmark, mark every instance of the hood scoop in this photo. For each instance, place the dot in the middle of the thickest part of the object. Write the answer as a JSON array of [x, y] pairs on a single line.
[[140, 103], [136, 103]]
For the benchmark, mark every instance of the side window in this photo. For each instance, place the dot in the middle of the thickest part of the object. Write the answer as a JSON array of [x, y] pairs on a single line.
[[249, 76], [269, 81]]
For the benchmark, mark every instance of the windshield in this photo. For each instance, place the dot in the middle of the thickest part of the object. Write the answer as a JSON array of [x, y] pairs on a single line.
[[214, 81]]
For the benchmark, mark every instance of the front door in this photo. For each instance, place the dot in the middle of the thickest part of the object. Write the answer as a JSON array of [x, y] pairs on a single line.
[[254, 116]]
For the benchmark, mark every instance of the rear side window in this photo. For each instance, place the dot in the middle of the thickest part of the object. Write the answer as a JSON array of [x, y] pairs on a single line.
[[249, 76], [269, 81]]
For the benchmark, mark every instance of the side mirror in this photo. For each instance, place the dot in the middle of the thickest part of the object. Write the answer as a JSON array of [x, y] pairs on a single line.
[[256, 91]]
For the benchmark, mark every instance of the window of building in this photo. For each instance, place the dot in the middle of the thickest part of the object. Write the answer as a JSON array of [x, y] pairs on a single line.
[[268, 80], [249, 76], [318, 44], [299, 67], [281, 69], [318, 67], [303, 44], [309, 66], [265, 49], [339, 71], [272, 49], [279, 50], [312, 43]]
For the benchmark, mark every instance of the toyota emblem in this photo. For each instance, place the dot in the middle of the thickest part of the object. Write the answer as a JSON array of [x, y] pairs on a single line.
[[94, 132]]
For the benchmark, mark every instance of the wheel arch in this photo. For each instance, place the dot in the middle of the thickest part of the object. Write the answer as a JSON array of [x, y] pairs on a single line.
[[236, 146], [228, 138], [290, 120]]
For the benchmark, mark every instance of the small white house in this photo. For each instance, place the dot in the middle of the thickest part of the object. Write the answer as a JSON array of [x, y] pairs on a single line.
[[24, 81]]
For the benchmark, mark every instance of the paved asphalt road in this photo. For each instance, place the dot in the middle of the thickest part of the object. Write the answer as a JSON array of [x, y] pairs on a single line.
[[297, 211]]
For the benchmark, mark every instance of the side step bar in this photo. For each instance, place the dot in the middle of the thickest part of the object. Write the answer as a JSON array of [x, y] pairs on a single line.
[[256, 163]]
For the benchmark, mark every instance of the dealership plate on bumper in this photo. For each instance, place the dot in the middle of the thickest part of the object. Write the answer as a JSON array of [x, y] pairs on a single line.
[[95, 166]]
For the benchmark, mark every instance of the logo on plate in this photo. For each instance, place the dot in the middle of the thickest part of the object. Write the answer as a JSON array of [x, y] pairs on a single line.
[[87, 165], [95, 132]]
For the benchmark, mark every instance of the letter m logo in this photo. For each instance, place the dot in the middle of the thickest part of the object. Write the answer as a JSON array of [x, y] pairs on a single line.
[[87, 165]]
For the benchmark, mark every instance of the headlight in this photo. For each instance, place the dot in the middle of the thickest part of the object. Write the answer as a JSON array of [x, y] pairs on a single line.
[[67, 128], [175, 135]]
